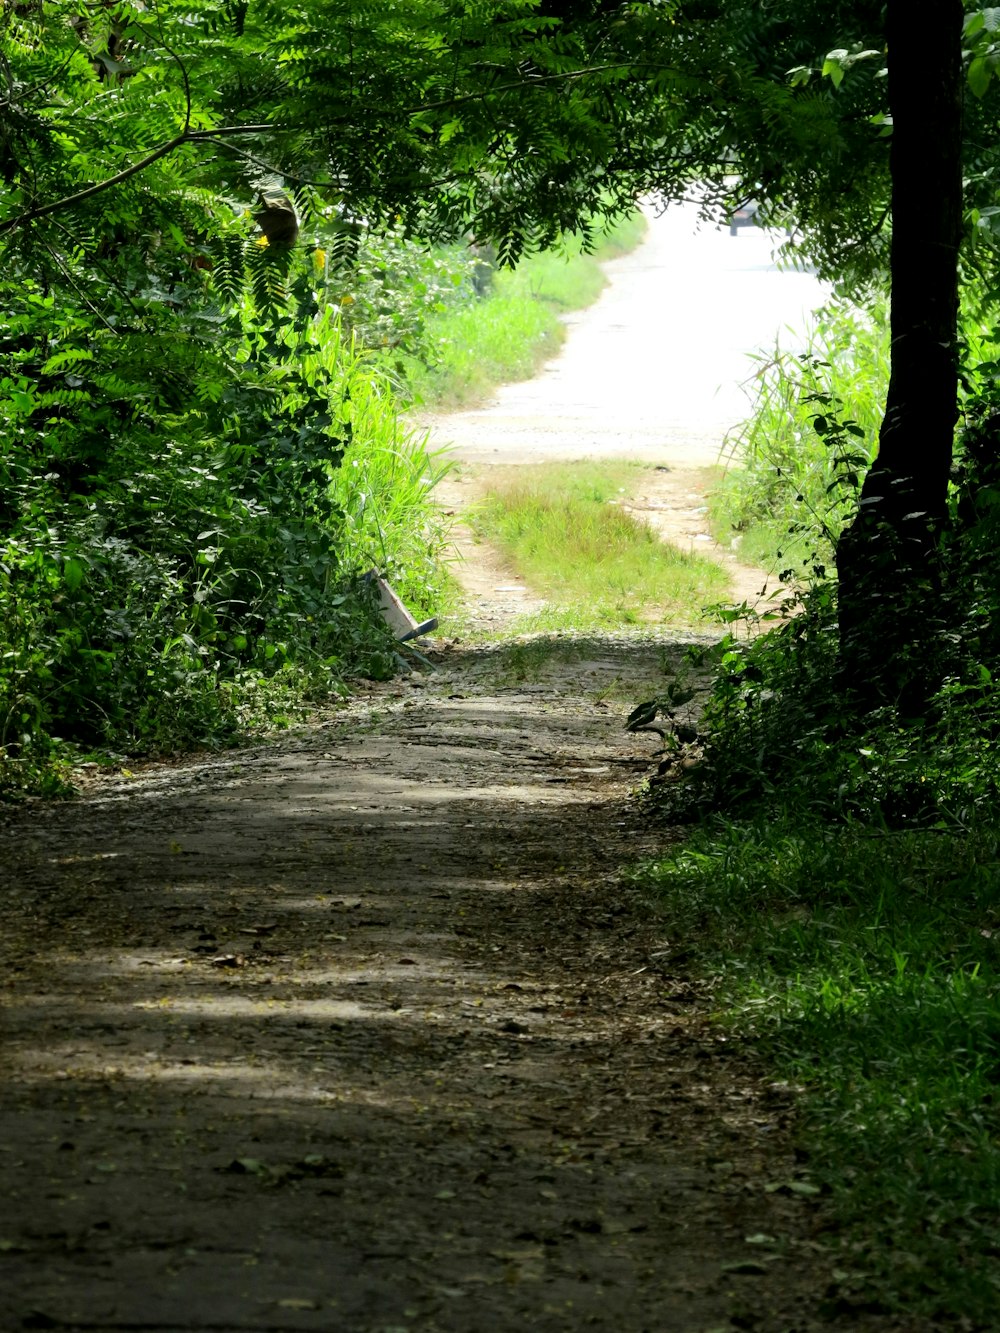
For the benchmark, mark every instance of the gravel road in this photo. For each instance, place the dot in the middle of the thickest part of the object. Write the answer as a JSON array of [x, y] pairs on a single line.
[[655, 370]]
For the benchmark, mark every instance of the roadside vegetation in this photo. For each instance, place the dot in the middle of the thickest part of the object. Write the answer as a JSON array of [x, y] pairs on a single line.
[[562, 528], [840, 884], [863, 960], [812, 427], [794, 466], [471, 347], [187, 564]]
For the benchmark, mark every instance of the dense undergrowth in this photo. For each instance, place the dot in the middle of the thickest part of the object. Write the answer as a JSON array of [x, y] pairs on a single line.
[[841, 882], [195, 569], [794, 465], [199, 476]]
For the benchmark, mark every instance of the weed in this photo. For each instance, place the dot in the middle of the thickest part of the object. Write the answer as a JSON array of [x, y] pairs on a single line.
[[562, 527], [782, 490]]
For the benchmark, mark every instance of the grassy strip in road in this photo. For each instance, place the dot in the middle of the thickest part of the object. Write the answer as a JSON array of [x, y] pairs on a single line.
[[866, 963], [515, 328], [560, 526]]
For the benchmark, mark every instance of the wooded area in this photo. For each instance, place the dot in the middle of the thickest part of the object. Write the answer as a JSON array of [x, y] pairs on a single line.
[[186, 188], [224, 225]]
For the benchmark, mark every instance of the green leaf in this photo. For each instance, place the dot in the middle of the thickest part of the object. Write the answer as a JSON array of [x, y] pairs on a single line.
[[833, 68], [980, 75], [73, 572]]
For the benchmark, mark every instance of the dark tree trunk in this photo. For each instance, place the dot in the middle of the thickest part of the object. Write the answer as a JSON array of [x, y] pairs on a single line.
[[888, 580]]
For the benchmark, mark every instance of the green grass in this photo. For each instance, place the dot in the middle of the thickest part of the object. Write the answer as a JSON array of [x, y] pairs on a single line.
[[384, 486], [515, 328], [785, 494], [867, 965], [560, 527]]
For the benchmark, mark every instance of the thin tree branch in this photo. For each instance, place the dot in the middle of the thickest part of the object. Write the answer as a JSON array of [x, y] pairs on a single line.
[[520, 85], [185, 136], [111, 278], [269, 167], [184, 74], [64, 269], [188, 135], [69, 200]]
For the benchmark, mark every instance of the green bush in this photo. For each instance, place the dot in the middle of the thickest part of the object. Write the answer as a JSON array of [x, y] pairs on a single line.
[[784, 490], [180, 544]]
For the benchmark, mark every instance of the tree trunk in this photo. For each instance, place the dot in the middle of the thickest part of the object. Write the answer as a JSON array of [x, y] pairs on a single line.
[[889, 589]]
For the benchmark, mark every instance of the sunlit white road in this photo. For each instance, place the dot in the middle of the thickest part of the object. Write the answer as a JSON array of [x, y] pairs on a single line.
[[655, 370]]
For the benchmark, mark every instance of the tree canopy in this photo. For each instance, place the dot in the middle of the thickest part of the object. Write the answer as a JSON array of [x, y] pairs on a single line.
[[180, 176]]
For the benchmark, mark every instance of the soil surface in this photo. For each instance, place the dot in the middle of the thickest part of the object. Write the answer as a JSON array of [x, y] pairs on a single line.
[[362, 1030], [365, 1030]]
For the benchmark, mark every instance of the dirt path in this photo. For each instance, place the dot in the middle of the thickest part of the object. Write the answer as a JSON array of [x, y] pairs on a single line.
[[362, 1031]]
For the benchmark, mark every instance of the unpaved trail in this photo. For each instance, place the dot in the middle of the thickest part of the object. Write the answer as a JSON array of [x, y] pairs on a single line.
[[658, 371], [363, 1031]]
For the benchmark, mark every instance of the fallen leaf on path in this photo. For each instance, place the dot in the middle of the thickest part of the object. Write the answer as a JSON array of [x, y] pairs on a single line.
[[805, 1188]]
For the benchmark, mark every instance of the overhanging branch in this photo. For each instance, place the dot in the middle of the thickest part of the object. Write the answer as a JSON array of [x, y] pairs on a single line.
[[188, 135], [171, 146]]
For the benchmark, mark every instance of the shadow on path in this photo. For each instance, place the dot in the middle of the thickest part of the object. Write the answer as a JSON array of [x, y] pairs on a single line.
[[362, 1031]]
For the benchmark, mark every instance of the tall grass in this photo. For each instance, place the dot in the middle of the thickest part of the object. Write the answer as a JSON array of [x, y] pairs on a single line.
[[515, 327], [782, 493], [562, 528], [384, 481]]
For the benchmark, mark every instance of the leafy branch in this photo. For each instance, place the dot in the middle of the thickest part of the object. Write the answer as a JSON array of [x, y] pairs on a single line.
[[191, 136], [69, 200]]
